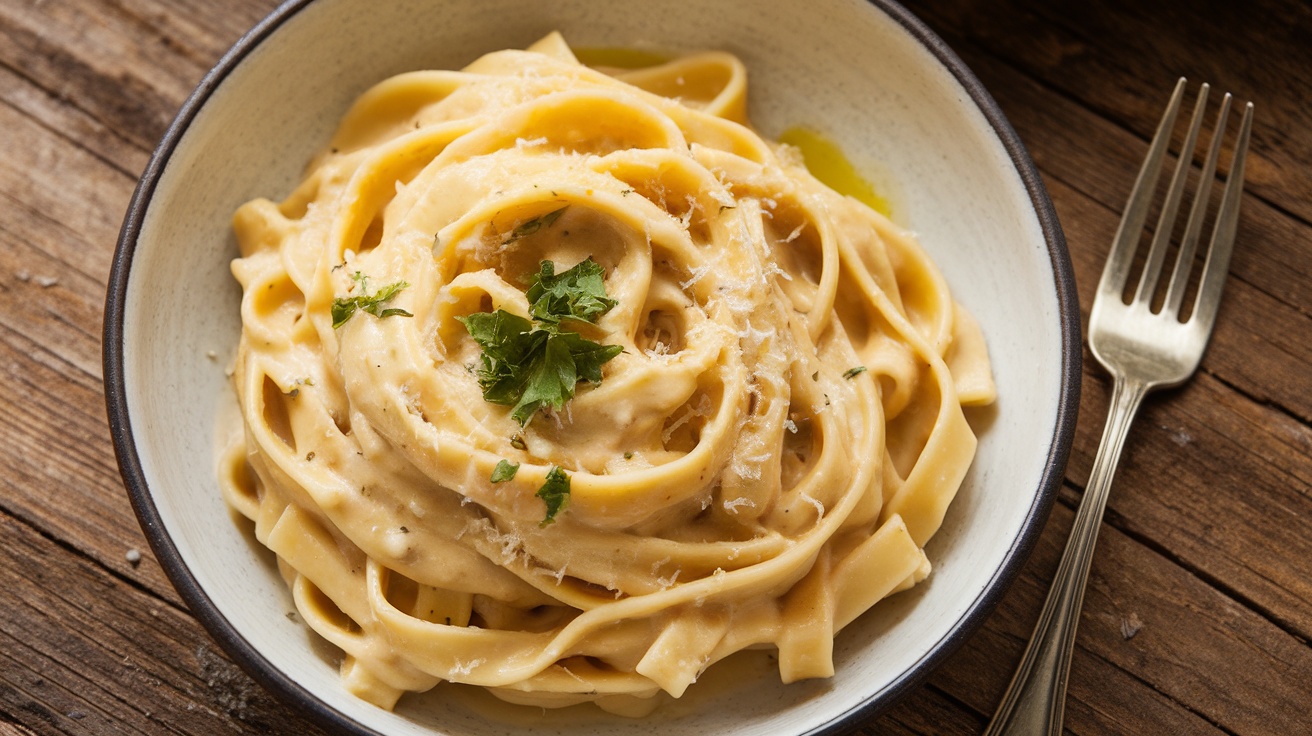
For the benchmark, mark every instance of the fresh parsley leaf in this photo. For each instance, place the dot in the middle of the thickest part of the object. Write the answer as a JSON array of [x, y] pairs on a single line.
[[579, 293], [531, 368], [549, 380], [507, 341], [854, 372], [345, 307], [588, 356], [554, 493], [528, 227], [504, 471], [534, 364]]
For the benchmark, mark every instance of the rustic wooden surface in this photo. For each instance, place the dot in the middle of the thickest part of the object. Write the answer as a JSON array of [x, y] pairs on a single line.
[[1199, 609]]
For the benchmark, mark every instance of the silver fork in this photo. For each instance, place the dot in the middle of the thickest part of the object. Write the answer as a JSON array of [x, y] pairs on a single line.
[[1144, 350]]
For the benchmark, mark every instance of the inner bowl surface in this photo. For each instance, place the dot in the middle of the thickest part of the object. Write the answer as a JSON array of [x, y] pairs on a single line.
[[867, 75]]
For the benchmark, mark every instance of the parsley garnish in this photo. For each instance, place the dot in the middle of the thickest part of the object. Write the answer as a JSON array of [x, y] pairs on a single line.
[[504, 471], [530, 366], [528, 227], [854, 372], [554, 493], [345, 307], [579, 293]]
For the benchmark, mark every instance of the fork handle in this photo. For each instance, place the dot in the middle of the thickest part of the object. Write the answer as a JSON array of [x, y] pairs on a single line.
[[1036, 698]]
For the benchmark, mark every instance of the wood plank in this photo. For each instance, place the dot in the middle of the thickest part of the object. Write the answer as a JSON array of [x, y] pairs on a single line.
[[76, 126], [927, 710], [100, 62], [1260, 347], [8, 728], [1096, 53], [1104, 696], [82, 652], [61, 201], [1184, 444], [62, 206], [187, 38], [1261, 343], [125, 65], [199, 30], [1255, 535], [1158, 650], [1195, 645], [62, 477]]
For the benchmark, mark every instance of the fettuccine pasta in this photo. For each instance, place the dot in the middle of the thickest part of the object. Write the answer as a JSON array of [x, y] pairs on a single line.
[[760, 460]]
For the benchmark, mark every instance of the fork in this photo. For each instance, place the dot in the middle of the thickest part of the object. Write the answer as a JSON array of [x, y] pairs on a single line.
[[1144, 348]]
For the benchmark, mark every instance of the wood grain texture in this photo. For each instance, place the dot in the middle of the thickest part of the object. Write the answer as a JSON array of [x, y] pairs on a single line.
[[1198, 614], [83, 651]]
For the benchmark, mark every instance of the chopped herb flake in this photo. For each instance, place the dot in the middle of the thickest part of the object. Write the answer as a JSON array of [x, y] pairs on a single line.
[[579, 293], [345, 307], [854, 372], [528, 227], [504, 471], [554, 493]]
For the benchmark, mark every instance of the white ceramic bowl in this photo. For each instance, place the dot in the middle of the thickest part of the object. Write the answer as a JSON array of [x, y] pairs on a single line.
[[869, 75]]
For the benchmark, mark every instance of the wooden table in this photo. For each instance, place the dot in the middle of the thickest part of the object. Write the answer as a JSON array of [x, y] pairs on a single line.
[[1199, 609]]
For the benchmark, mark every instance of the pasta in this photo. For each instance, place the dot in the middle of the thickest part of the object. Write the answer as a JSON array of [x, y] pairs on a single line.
[[765, 427]]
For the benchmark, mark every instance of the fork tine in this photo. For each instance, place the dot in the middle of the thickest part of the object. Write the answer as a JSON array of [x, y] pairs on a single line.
[[1189, 243], [1152, 269], [1217, 264], [1136, 209]]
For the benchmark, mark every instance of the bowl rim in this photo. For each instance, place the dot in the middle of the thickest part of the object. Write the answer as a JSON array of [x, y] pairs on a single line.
[[293, 693]]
